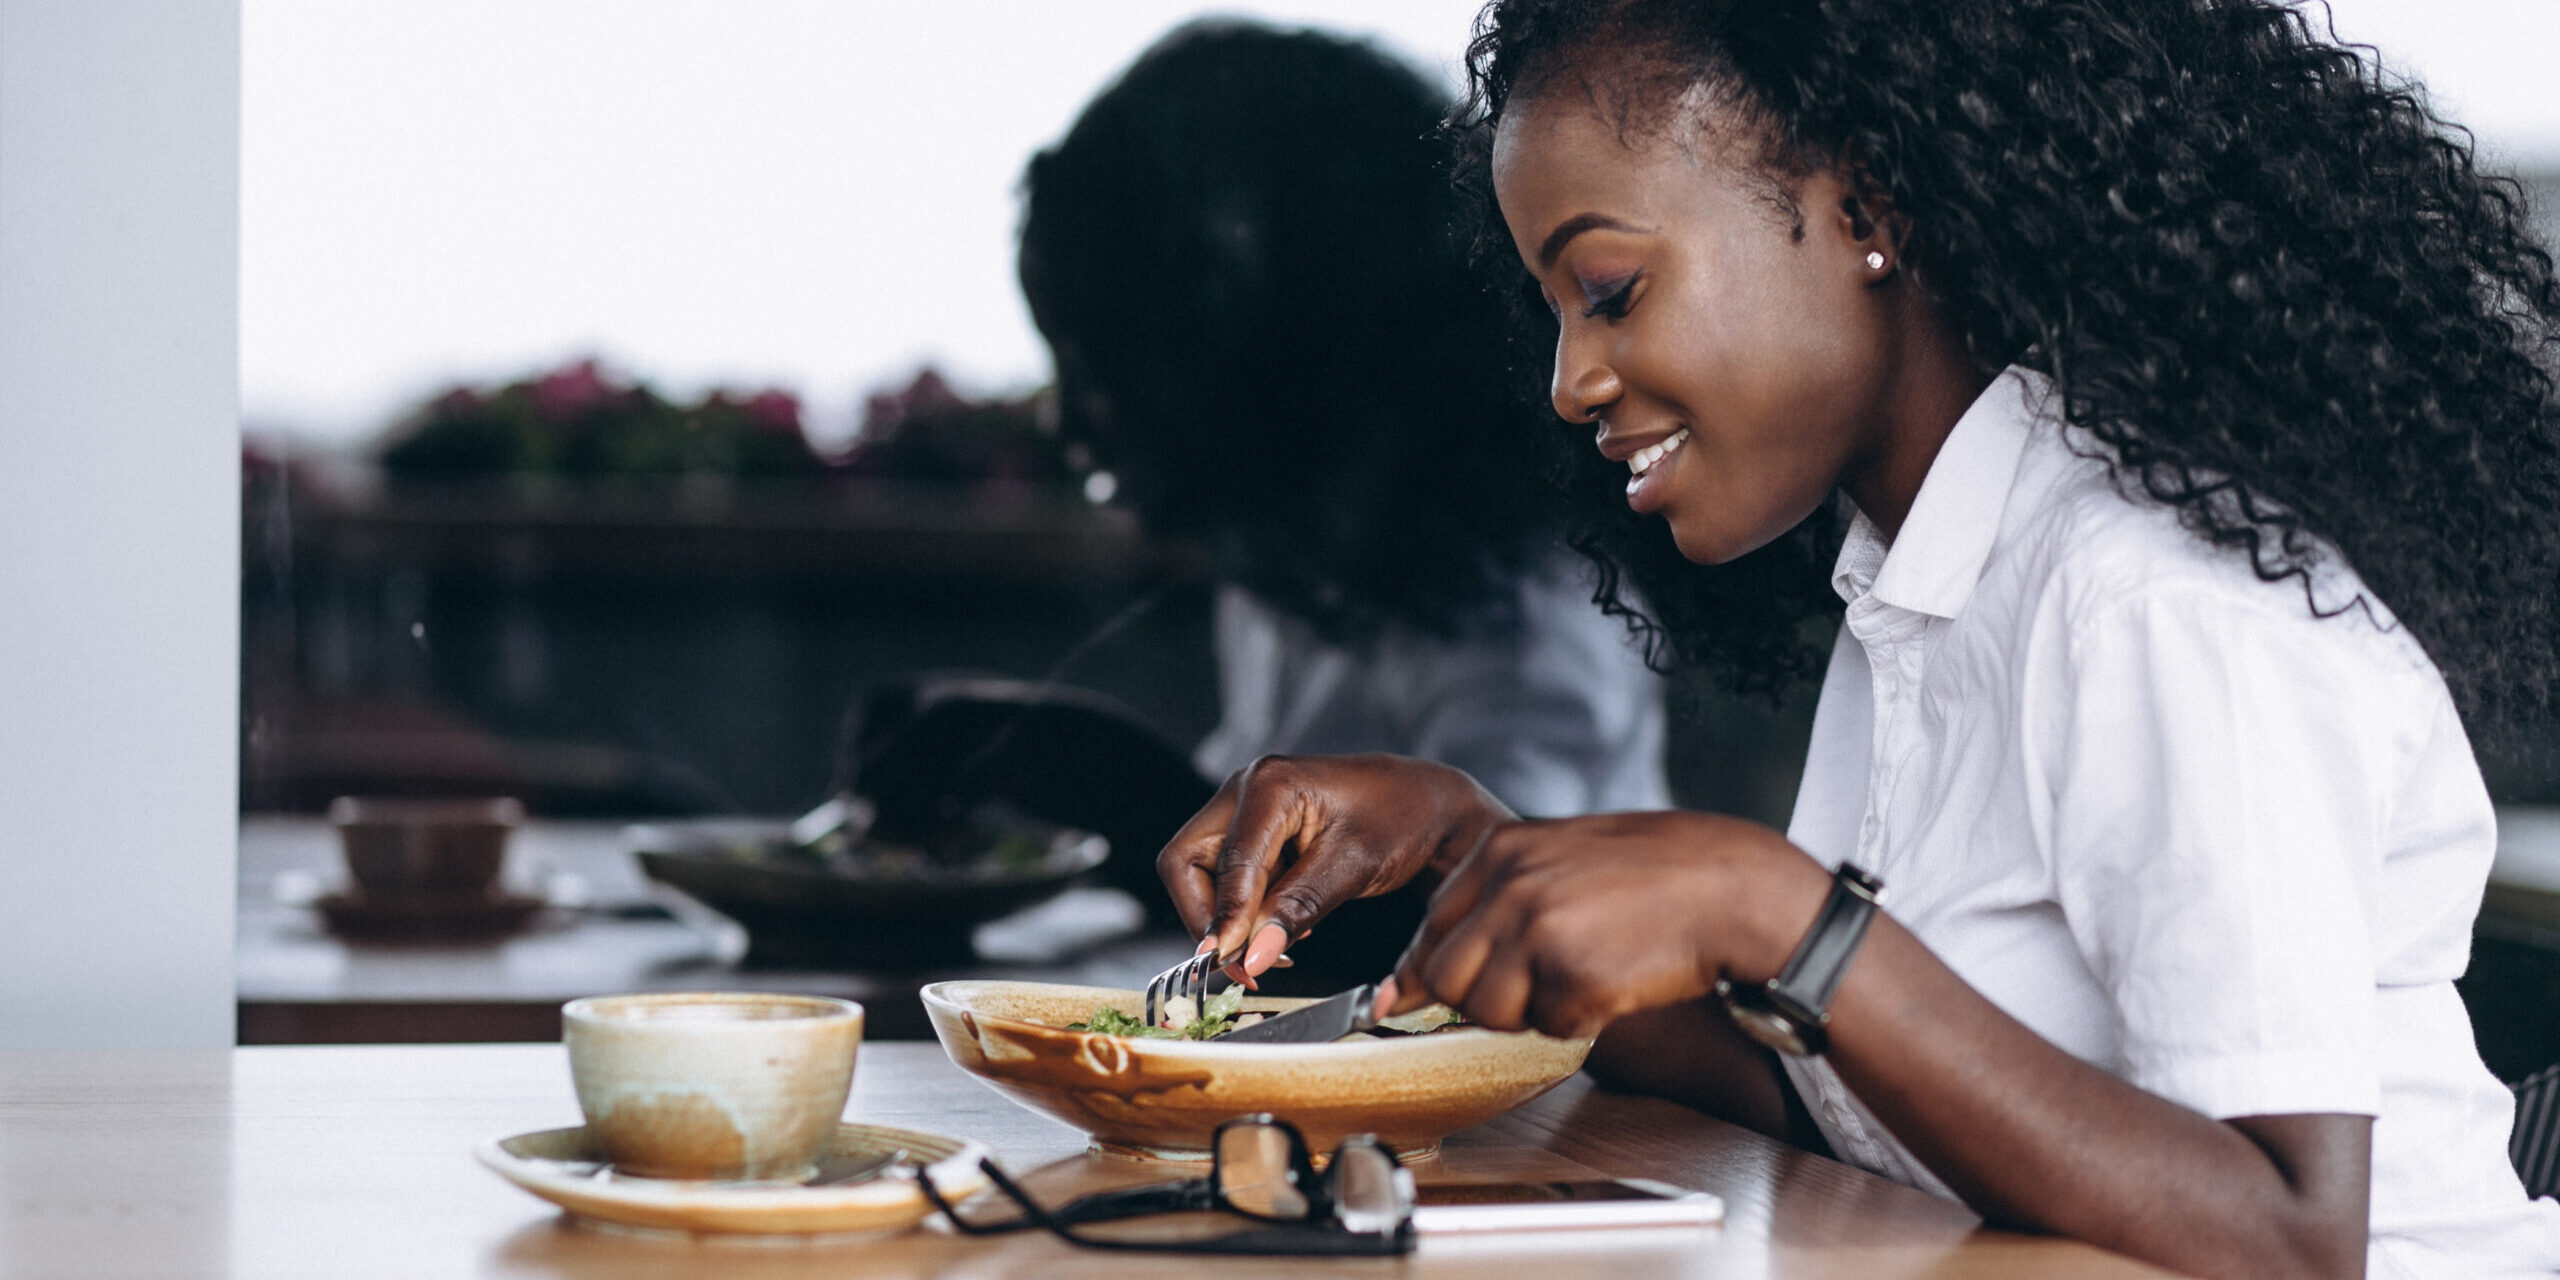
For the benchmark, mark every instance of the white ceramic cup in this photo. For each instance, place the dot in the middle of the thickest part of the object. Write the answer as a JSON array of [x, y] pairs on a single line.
[[713, 1085]]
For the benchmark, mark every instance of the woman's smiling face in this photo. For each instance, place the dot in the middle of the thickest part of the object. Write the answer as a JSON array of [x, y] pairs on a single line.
[[1740, 367]]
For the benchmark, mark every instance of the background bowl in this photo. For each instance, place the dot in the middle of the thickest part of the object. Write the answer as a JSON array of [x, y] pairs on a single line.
[[844, 909], [406, 849], [1160, 1098]]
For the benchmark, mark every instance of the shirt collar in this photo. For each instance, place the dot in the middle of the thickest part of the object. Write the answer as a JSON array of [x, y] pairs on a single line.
[[1947, 538]]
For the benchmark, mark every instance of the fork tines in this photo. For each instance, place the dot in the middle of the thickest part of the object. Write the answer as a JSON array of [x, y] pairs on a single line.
[[1189, 978]]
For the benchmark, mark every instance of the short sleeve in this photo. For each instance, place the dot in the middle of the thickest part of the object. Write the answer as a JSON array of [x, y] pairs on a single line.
[[2217, 779]]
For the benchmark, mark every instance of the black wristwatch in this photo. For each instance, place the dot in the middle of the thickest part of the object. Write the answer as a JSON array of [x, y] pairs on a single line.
[[1788, 1013]]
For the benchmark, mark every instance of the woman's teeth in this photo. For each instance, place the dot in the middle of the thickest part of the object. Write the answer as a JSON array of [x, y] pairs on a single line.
[[1650, 454]]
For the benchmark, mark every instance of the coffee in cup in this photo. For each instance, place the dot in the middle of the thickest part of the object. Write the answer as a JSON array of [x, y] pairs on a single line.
[[734, 1086]]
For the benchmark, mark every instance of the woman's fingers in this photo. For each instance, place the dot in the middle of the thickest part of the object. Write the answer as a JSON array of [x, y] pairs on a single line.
[[1450, 905], [1188, 863], [1217, 868], [1274, 811], [1499, 995], [1566, 1008], [1509, 943], [1566, 924], [1472, 964], [1286, 840], [1431, 967], [1307, 891]]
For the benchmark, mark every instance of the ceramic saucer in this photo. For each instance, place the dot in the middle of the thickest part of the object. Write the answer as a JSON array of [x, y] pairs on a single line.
[[557, 1164], [441, 918]]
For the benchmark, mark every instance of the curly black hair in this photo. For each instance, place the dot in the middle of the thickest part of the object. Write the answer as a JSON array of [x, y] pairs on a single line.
[[2274, 287], [1253, 273]]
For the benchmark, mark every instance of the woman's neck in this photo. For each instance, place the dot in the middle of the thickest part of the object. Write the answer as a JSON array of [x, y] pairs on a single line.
[[1932, 382]]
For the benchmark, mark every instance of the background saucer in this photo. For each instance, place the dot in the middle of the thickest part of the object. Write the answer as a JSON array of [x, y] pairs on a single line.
[[440, 917]]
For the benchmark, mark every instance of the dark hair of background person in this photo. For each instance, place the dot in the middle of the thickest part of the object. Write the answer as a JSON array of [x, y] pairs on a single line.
[[2275, 289], [1252, 270]]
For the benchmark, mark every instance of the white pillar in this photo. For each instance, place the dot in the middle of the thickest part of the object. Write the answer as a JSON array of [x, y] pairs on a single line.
[[119, 520]]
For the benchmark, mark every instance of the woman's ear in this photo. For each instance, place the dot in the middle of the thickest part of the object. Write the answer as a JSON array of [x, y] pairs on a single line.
[[1861, 224], [1877, 229]]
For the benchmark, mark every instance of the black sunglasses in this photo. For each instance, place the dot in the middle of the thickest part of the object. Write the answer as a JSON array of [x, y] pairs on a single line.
[[1259, 1168]]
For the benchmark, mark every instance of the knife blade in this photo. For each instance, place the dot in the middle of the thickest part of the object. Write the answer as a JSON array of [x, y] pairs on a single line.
[[1328, 1019]]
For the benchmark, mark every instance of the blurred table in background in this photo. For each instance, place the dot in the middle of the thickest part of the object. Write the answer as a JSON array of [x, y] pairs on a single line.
[[609, 930]]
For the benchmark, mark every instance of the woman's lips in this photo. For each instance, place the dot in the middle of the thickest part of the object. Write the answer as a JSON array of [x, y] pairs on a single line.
[[1648, 484]]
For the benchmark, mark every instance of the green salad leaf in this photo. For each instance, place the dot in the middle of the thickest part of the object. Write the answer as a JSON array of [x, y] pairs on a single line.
[[1111, 1022], [1216, 1017]]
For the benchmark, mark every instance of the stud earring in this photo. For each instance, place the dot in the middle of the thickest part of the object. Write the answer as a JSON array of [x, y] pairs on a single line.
[[1875, 260]]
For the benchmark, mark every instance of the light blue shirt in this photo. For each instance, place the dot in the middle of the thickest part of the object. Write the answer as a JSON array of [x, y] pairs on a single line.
[[1560, 718]]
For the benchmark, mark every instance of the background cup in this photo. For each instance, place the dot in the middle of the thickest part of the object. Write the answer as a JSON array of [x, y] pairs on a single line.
[[424, 848], [718, 1085]]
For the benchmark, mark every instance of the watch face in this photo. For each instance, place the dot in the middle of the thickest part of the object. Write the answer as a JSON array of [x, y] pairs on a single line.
[[1762, 1022]]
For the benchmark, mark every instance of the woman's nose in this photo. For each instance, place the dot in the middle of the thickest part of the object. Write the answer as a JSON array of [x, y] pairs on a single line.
[[1584, 384]]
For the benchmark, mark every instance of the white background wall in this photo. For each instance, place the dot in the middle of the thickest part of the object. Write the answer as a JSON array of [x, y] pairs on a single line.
[[119, 520], [813, 194]]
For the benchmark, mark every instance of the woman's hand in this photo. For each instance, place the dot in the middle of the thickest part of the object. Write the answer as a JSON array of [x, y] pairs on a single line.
[[1564, 926], [1568, 925], [1288, 839]]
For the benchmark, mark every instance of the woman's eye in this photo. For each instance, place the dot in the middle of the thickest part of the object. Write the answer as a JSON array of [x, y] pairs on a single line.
[[1609, 299]]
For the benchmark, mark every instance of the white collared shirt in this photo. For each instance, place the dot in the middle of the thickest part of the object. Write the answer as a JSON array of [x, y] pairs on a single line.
[[2155, 810]]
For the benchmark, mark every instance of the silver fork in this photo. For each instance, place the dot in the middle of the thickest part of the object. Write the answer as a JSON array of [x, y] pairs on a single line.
[[1189, 978]]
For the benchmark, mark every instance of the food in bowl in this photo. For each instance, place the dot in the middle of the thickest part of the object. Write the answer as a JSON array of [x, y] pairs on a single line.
[[1210, 1018], [1225, 1012], [1160, 1096]]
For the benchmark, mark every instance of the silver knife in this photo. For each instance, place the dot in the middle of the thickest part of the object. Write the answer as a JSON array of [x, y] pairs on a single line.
[[1331, 1018]]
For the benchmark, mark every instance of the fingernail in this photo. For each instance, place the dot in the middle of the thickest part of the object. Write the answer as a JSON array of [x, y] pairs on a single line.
[[1386, 999], [1237, 975], [1265, 947], [1207, 945], [1284, 962]]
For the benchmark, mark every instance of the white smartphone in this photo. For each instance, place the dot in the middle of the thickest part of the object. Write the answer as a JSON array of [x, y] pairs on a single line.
[[1560, 1206]]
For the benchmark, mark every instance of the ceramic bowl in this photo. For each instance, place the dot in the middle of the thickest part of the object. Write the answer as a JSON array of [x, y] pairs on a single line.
[[1160, 1098], [711, 1085], [805, 912], [439, 849]]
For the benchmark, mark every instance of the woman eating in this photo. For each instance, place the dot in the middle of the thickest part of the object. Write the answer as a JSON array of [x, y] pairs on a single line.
[[2140, 417]]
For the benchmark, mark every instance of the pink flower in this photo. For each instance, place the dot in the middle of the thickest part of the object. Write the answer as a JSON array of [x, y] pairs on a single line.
[[774, 412], [924, 397], [566, 393]]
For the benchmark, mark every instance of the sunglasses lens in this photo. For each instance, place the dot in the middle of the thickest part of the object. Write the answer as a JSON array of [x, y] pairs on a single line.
[[1256, 1171], [1371, 1192]]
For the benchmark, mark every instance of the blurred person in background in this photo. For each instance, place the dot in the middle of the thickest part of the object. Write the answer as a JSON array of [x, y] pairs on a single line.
[[1246, 260]]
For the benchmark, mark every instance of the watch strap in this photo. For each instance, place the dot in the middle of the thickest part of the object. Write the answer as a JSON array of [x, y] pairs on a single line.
[[1812, 975], [1791, 1012]]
